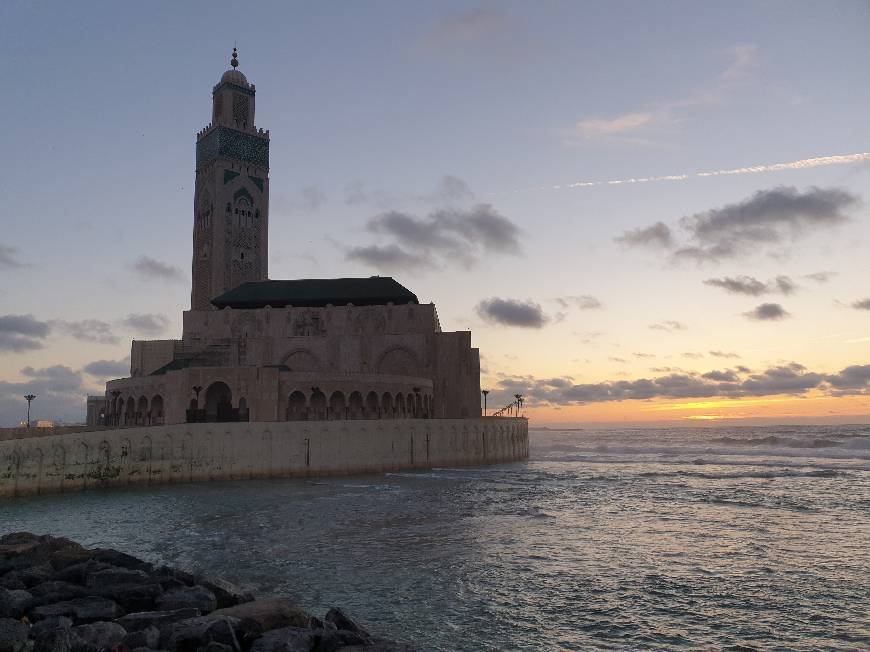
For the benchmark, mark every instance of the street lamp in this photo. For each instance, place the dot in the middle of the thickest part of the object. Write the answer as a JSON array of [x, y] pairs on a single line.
[[519, 398], [485, 392], [29, 398]]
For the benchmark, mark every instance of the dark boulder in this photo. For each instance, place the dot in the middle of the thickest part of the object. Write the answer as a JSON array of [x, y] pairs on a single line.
[[122, 559], [114, 575], [54, 640], [329, 640], [132, 597], [270, 613], [196, 597], [226, 593], [13, 603], [338, 618], [83, 610], [23, 550], [28, 576], [147, 638], [13, 635], [142, 620], [286, 639], [191, 634], [52, 592], [96, 637], [78, 573], [50, 624]]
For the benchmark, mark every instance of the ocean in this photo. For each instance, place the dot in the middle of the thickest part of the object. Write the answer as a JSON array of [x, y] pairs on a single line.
[[714, 538]]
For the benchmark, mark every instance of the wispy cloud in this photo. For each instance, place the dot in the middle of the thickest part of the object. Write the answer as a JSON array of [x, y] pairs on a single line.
[[9, 258], [465, 28], [511, 312], [151, 268], [751, 286], [668, 326], [767, 312]]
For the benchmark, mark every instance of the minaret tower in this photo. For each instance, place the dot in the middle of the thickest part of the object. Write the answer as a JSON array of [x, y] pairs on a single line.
[[231, 199]]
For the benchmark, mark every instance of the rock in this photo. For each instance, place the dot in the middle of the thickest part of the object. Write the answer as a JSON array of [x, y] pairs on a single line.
[[122, 559], [28, 576], [11, 582], [77, 573], [85, 610], [164, 572], [142, 620], [197, 597], [54, 640], [286, 639], [113, 575], [97, 637], [13, 635], [214, 646], [269, 613], [50, 624], [132, 597], [193, 633], [52, 592], [329, 640], [22, 550], [226, 593], [341, 621], [13, 603], [147, 638]]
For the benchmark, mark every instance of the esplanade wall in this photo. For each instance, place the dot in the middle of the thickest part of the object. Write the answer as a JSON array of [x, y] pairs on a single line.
[[229, 451]]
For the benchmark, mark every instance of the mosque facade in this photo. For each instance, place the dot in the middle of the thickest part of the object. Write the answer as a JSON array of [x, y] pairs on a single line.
[[255, 349]]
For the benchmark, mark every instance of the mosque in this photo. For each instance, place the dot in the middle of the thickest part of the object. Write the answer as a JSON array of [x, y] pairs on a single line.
[[256, 349]]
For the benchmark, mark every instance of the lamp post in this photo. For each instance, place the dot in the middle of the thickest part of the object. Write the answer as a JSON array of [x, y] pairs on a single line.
[[485, 393], [29, 398], [519, 399]]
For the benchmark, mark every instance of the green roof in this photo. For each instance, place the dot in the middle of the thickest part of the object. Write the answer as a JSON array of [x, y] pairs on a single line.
[[317, 292]]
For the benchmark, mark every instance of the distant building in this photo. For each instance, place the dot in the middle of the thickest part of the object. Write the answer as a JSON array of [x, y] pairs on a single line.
[[270, 350]]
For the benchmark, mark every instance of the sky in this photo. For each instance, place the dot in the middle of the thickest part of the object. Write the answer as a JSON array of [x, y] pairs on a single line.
[[646, 213]]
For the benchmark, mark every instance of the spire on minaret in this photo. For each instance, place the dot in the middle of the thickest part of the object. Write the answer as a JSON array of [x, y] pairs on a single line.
[[234, 62]]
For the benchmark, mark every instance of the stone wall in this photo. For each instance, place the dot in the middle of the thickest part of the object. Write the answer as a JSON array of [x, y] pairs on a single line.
[[229, 451]]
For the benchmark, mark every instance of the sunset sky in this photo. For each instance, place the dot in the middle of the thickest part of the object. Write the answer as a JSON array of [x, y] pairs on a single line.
[[644, 212]]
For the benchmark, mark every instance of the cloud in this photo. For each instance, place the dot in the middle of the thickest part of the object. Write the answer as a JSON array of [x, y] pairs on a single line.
[[591, 128], [22, 333], [108, 368], [146, 323], [691, 355], [752, 286], [445, 236], [863, 304], [451, 189], [87, 330], [668, 326], [151, 268], [355, 193], [312, 198], [658, 235], [723, 354], [510, 312], [465, 28], [767, 218], [9, 258], [59, 390], [767, 312], [820, 277], [580, 302], [851, 380], [389, 258], [789, 379]]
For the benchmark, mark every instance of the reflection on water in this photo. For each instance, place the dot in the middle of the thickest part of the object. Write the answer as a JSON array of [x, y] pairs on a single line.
[[642, 539]]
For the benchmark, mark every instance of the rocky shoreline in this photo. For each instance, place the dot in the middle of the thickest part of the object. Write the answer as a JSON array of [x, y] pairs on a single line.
[[57, 596]]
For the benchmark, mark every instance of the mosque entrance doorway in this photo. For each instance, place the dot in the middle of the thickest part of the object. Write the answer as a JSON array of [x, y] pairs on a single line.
[[219, 403]]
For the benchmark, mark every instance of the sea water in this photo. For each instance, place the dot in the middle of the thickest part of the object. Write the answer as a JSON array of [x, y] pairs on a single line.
[[733, 538]]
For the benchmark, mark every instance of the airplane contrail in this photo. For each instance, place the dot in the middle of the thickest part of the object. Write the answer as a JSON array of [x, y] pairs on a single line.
[[820, 161]]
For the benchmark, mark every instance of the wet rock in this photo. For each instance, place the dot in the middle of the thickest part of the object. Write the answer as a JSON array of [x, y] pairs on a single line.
[[196, 597], [164, 572], [22, 550], [226, 593], [53, 591], [78, 573], [11, 582], [13, 603], [55, 640], [85, 610], [269, 613], [214, 646], [121, 559], [338, 618], [96, 637], [136, 621], [13, 635], [50, 624], [329, 640], [147, 638], [194, 633], [114, 575], [286, 639], [132, 597], [29, 576]]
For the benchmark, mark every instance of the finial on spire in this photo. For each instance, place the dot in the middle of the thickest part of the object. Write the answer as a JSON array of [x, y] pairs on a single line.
[[234, 62]]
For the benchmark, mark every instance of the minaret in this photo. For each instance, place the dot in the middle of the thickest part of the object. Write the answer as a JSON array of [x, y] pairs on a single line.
[[231, 199]]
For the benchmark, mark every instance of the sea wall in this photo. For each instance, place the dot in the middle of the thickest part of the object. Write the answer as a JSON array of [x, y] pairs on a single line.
[[230, 451]]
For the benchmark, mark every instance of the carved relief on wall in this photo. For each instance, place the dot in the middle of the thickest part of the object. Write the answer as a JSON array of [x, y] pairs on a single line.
[[306, 324], [398, 362], [301, 361], [369, 323]]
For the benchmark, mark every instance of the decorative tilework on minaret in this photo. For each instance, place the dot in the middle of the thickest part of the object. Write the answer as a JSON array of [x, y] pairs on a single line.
[[231, 197]]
